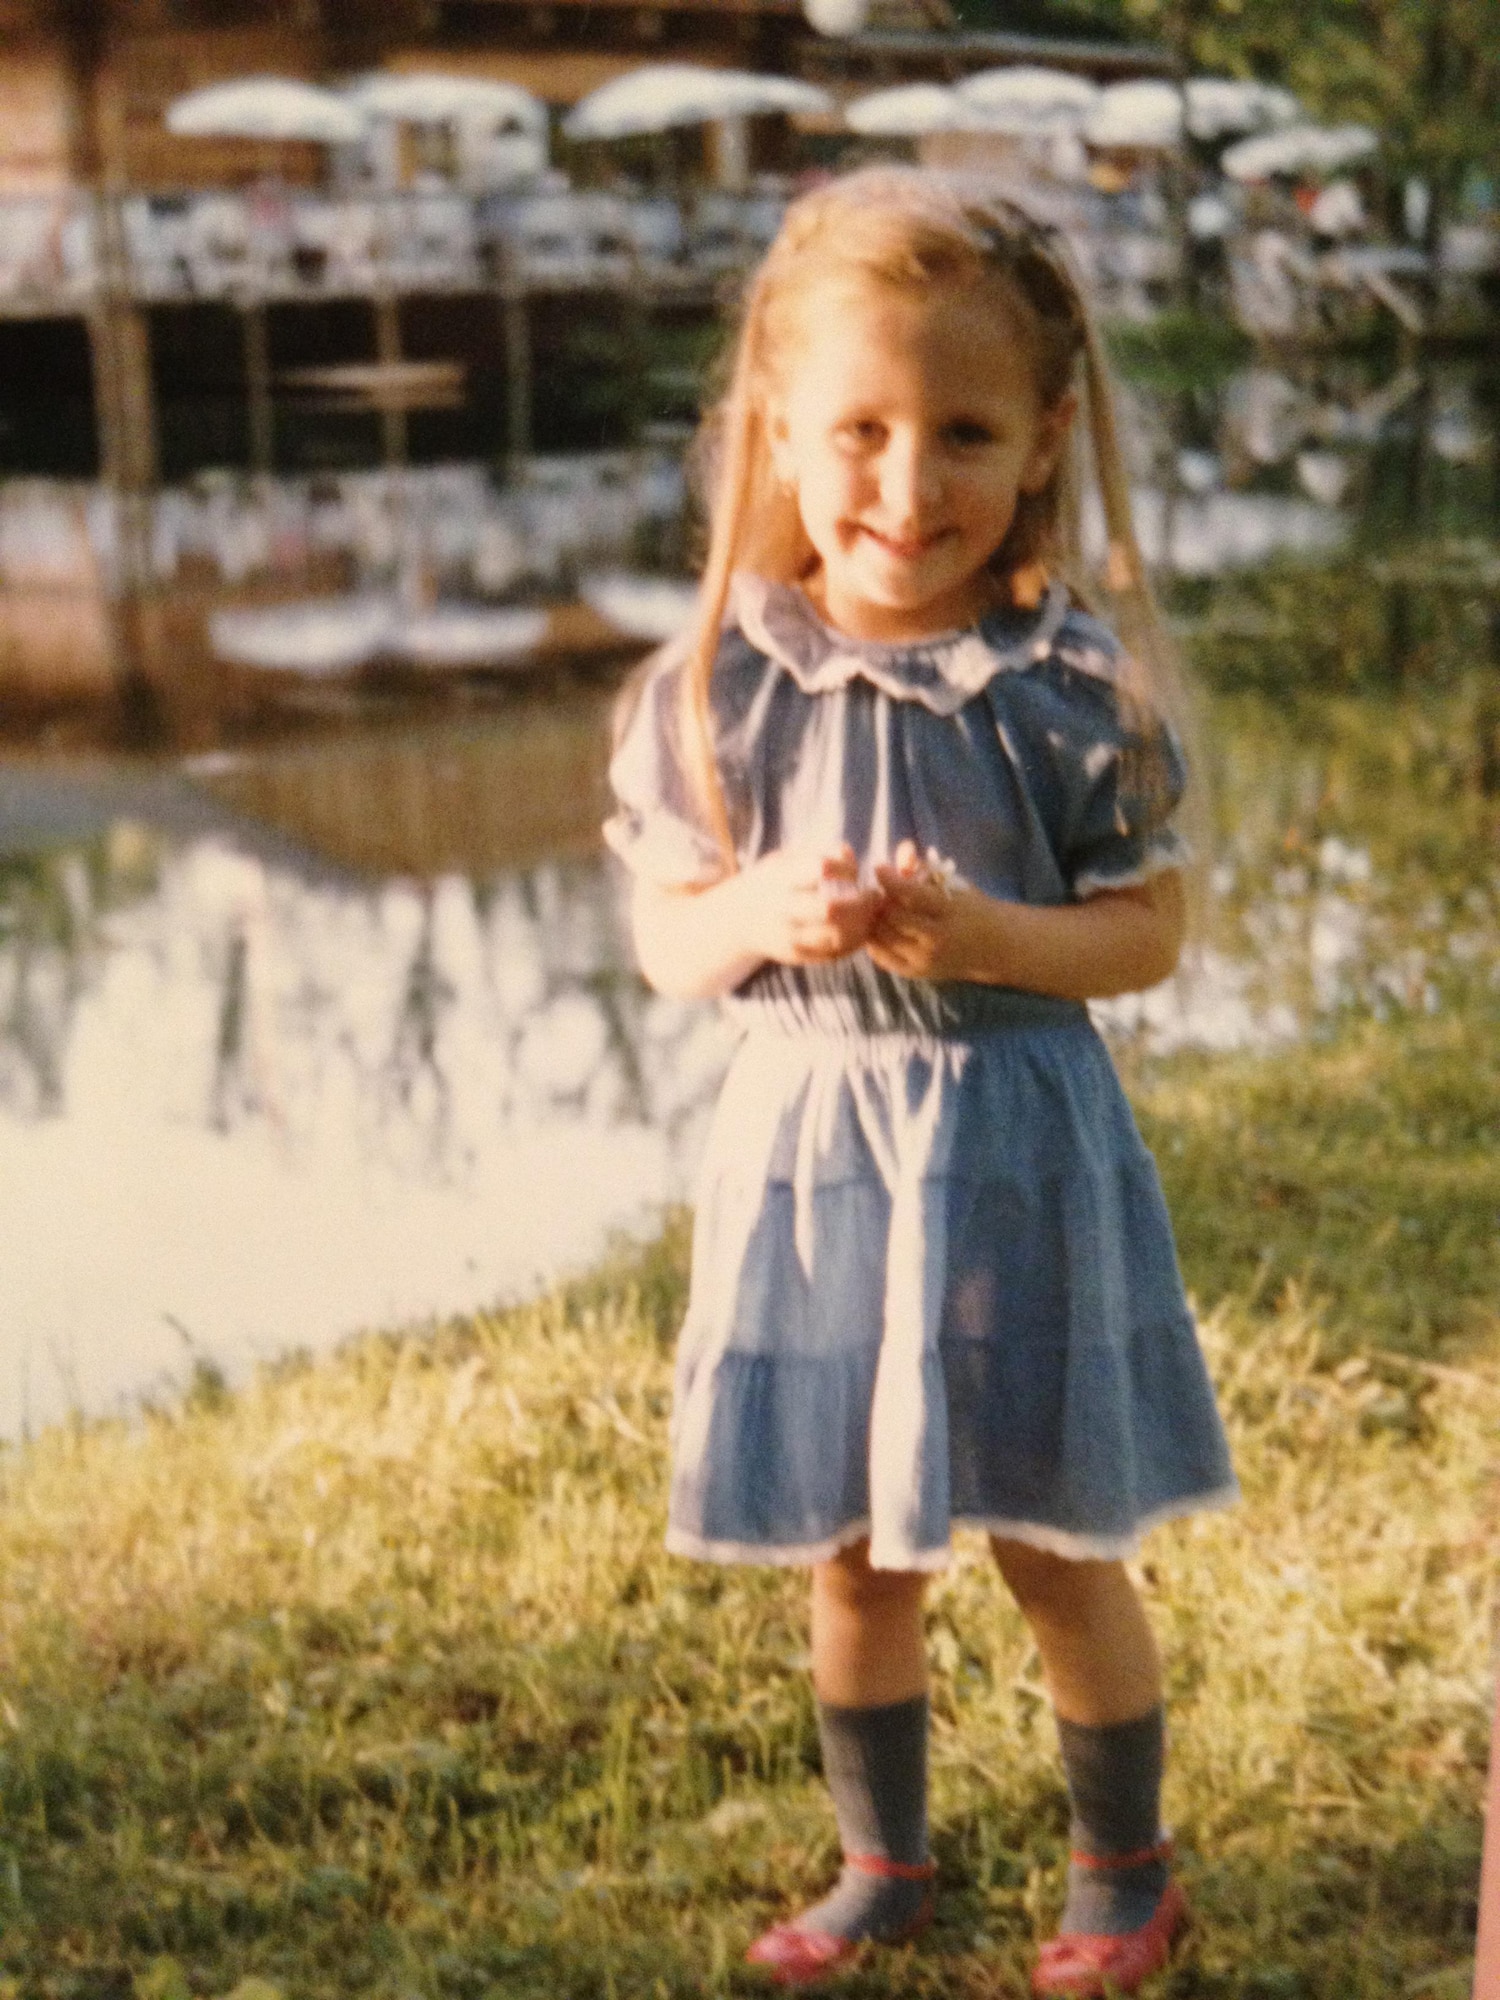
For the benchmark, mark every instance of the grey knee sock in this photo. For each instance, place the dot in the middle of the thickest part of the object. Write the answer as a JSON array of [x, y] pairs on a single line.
[[875, 1764], [1114, 1783]]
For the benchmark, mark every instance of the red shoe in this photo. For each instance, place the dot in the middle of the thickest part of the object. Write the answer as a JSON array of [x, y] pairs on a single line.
[[796, 1957], [1094, 1967]]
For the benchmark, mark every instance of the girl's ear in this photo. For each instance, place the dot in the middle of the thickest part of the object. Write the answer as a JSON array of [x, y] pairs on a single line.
[[779, 444], [1051, 435]]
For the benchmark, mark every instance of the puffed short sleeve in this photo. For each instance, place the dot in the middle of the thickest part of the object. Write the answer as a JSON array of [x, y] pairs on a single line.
[[657, 828], [1124, 775]]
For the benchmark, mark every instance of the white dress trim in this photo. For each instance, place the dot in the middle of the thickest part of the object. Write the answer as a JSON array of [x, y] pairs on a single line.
[[1167, 850], [942, 672], [1035, 1534]]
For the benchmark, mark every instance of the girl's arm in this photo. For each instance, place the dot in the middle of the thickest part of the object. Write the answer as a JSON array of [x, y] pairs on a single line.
[[795, 907], [1118, 941]]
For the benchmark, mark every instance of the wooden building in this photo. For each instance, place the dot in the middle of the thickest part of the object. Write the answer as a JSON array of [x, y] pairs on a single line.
[[84, 83], [84, 90], [137, 384]]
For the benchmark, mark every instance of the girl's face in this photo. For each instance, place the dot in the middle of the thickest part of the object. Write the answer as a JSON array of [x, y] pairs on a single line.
[[908, 429]]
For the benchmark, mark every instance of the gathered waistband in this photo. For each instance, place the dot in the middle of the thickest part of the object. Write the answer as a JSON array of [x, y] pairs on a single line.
[[853, 999]]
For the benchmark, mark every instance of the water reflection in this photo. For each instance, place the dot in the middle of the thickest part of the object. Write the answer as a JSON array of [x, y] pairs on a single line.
[[252, 1099], [262, 592], [474, 531], [1349, 885], [251, 1108]]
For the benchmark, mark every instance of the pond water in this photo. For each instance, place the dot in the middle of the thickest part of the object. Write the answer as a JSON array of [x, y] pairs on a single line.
[[328, 1021], [252, 1098]]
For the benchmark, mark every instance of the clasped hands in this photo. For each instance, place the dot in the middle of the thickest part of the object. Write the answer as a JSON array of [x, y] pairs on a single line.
[[912, 920]]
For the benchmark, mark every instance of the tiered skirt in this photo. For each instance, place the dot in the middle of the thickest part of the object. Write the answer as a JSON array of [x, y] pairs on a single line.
[[933, 1284]]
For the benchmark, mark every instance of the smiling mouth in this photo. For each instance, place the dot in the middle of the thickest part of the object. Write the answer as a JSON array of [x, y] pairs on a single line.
[[903, 549]]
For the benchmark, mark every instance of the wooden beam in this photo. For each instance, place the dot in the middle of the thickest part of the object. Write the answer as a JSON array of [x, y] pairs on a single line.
[[34, 121], [119, 333], [258, 385], [515, 338], [963, 49], [559, 76], [388, 351]]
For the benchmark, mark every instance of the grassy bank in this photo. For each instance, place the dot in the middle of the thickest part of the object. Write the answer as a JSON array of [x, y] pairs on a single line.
[[374, 1678]]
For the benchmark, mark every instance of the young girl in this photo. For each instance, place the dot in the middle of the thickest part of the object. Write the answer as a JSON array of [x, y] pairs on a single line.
[[908, 805]]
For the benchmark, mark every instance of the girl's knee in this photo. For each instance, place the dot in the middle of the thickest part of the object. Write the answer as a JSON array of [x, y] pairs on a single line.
[[848, 1580], [1052, 1586]]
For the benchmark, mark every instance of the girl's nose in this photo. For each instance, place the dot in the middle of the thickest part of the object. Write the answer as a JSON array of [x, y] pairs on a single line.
[[911, 483]]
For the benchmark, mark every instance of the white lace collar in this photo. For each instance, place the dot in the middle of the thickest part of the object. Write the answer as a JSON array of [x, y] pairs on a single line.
[[942, 673]]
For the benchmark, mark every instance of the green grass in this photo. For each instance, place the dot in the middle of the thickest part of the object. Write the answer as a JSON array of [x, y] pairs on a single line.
[[373, 1678], [1366, 1174], [1359, 623]]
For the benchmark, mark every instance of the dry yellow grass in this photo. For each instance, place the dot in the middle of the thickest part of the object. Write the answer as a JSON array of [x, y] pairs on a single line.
[[375, 1679]]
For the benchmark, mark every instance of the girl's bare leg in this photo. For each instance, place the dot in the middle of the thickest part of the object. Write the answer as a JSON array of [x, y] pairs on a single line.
[[867, 1644], [1104, 1676], [1098, 1653], [870, 1676]]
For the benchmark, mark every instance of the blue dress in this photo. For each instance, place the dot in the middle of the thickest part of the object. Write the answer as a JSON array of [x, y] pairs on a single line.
[[933, 1278]]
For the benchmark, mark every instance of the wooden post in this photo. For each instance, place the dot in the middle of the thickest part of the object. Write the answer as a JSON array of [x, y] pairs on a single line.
[[120, 338], [120, 344], [387, 350], [121, 347], [258, 384], [515, 334]]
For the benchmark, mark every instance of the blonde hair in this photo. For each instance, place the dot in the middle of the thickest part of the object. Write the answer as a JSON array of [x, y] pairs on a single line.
[[902, 228]]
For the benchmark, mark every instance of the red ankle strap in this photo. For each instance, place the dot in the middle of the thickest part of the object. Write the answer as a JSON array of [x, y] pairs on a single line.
[[1161, 1852], [900, 1871]]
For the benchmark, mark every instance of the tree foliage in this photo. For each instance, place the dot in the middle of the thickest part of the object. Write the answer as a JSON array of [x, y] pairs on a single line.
[[1424, 73]]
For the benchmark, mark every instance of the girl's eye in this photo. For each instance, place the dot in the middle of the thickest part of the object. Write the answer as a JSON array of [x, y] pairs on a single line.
[[969, 431], [860, 433]]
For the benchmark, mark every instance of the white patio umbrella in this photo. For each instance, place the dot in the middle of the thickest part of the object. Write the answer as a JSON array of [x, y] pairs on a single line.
[[468, 635], [430, 98], [1219, 107], [1145, 113], [837, 17], [1299, 149], [663, 95], [266, 107], [320, 635], [647, 607], [1025, 98], [907, 111]]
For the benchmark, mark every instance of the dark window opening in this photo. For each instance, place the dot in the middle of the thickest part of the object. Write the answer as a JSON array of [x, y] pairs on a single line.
[[47, 421], [465, 330], [198, 377]]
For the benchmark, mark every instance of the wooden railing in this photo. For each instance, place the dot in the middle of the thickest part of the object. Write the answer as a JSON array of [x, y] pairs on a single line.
[[272, 244]]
